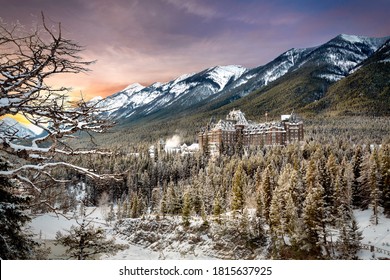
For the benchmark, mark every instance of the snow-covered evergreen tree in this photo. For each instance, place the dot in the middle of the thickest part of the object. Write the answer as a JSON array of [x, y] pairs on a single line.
[[134, 206], [373, 183], [366, 181], [164, 204], [384, 160], [186, 210], [357, 199], [238, 198], [283, 214], [217, 208], [16, 242], [314, 220], [349, 241], [85, 241], [266, 190]]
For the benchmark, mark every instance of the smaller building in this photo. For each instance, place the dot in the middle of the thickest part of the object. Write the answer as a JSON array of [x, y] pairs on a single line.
[[236, 132]]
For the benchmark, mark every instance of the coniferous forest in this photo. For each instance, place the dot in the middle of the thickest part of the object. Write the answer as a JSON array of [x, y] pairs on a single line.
[[287, 202]]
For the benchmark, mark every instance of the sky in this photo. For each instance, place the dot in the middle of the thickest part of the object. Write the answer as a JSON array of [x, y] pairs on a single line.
[[149, 41]]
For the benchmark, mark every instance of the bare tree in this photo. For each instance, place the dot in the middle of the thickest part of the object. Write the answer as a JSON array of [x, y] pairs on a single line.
[[28, 58]]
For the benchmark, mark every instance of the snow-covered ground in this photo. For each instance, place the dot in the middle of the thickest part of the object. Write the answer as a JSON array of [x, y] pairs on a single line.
[[378, 236], [45, 226]]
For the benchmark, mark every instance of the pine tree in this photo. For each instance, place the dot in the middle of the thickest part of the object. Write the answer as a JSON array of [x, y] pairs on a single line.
[[196, 201], [244, 225], [313, 221], [164, 204], [15, 241], [267, 186], [384, 158], [204, 216], [259, 204], [374, 195], [291, 218], [357, 199], [155, 201], [356, 236], [85, 241], [141, 206], [238, 200], [343, 194], [331, 176], [217, 208], [366, 182], [373, 185], [173, 203], [186, 211], [111, 213], [311, 176], [259, 200], [125, 210], [119, 210], [134, 206], [349, 240], [283, 214], [276, 223]]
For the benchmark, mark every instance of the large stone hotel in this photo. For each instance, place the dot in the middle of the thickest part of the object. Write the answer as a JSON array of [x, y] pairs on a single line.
[[227, 135]]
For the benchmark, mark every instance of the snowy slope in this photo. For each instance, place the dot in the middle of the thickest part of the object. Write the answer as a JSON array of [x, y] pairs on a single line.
[[263, 75], [184, 90], [12, 126], [113, 103], [343, 54]]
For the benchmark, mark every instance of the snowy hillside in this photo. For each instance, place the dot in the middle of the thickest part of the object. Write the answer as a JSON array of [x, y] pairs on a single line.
[[185, 90], [12, 126], [263, 75], [113, 103], [342, 54]]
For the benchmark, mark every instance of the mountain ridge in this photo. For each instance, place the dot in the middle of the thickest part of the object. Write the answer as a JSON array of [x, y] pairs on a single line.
[[221, 85]]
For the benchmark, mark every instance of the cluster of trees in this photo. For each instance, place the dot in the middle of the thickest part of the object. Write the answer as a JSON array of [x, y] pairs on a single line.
[[302, 196]]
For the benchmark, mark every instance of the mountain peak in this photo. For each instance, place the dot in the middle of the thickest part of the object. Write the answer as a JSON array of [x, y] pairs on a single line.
[[373, 42], [96, 99], [223, 74], [134, 87], [352, 38], [228, 68]]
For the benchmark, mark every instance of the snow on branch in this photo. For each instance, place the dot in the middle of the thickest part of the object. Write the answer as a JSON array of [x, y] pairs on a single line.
[[42, 167], [27, 59]]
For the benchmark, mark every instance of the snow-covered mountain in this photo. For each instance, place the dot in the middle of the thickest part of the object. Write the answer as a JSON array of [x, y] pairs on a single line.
[[185, 90], [10, 126], [333, 61], [263, 75], [343, 54]]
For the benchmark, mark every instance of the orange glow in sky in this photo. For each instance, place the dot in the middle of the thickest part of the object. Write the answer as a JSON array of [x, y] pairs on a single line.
[[156, 41], [20, 118]]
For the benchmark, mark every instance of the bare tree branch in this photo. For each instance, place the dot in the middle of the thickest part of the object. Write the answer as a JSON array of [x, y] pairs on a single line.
[[27, 60]]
